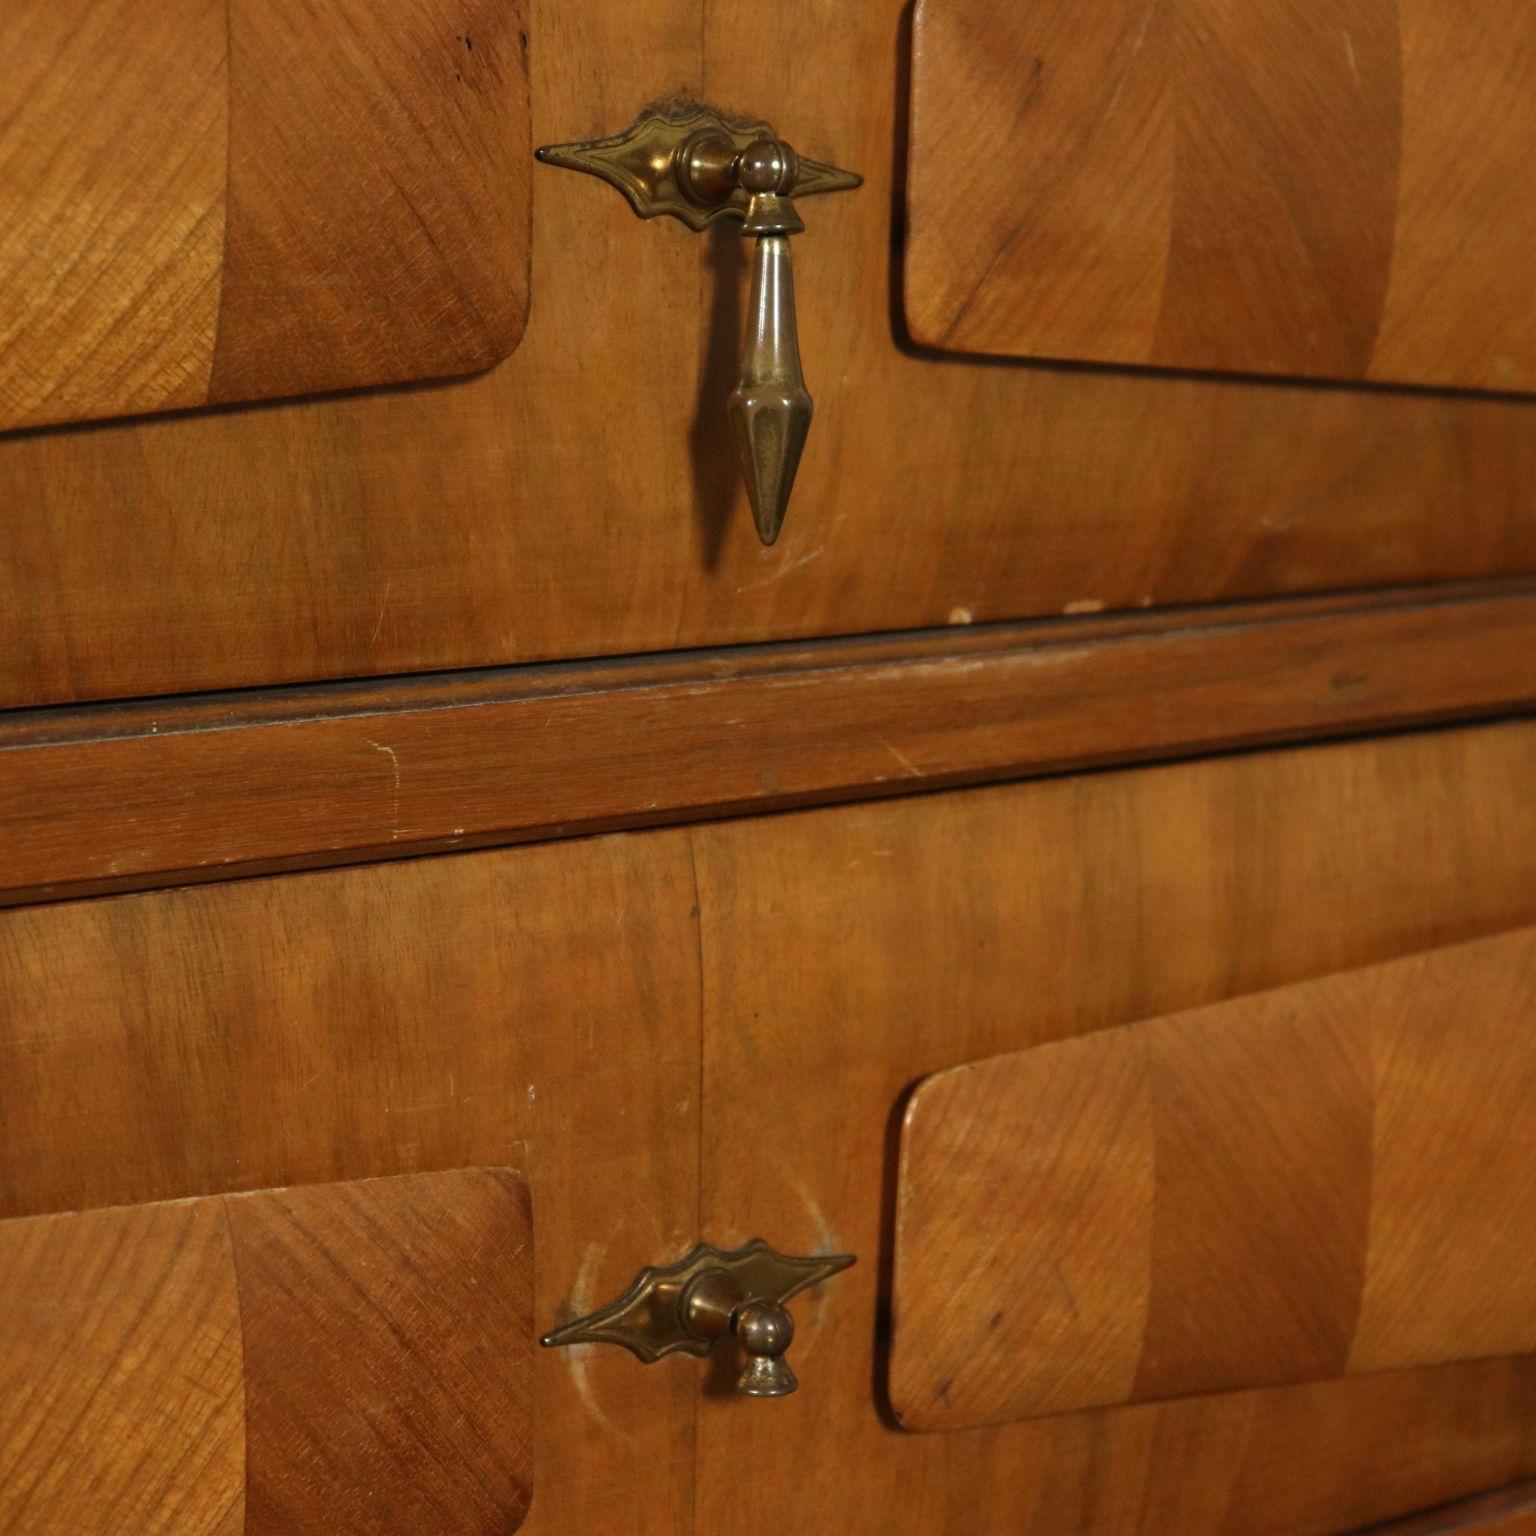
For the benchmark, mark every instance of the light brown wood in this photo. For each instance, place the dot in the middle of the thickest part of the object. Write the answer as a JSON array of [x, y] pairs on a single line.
[[544, 1007], [121, 1382], [1326, 189], [346, 1356], [583, 498], [206, 202], [1328, 1179], [93, 800], [850, 952]]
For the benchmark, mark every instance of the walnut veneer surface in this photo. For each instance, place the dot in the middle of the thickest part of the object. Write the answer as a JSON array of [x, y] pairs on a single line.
[[1336, 188]]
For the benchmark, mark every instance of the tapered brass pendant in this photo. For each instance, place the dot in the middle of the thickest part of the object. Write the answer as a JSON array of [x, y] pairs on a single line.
[[694, 164]]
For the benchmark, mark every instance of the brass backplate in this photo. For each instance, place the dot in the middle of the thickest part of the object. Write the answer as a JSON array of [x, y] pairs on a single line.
[[642, 162], [648, 1318]]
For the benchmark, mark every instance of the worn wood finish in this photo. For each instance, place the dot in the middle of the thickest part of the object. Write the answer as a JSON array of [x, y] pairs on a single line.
[[203, 202], [1324, 189], [1327, 1179], [537, 1010], [850, 952], [97, 799], [346, 1356], [583, 498]]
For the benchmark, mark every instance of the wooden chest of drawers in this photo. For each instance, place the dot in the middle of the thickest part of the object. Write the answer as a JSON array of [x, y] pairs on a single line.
[[449, 866]]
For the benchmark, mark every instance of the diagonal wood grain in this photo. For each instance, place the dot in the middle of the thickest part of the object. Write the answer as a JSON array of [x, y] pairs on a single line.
[[1330, 188], [341, 1357], [113, 128], [388, 1353], [1329, 1179], [208, 202], [121, 1382]]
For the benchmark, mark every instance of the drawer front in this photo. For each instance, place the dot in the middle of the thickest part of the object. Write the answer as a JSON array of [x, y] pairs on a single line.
[[706, 1034], [583, 498], [1324, 189], [1327, 1179], [203, 203], [337, 1357]]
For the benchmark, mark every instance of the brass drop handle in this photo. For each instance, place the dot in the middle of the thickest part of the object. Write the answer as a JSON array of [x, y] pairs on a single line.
[[709, 1295], [697, 165], [770, 409]]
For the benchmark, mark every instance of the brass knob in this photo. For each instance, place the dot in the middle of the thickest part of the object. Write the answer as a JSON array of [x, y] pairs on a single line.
[[707, 1296], [697, 165], [714, 1306]]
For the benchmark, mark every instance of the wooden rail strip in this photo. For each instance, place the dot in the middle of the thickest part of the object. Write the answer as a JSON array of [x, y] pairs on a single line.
[[123, 796]]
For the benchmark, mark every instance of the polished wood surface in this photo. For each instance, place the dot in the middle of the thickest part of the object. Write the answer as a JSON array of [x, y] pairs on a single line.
[[100, 799], [1327, 189], [583, 498], [706, 1033], [346, 1356], [1323, 1180], [202, 202]]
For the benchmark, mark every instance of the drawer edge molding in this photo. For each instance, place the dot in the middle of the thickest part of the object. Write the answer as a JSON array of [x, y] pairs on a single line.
[[115, 797]]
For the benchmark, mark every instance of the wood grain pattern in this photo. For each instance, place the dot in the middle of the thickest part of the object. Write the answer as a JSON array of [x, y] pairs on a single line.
[[346, 1356], [1329, 189], [387, 1329], [582, 499], [121, 1382], [214, 203], [850, 952], [94, 800], [1328, 1179]]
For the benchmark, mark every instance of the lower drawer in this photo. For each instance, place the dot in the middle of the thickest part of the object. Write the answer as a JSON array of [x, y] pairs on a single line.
[[710, 1033]]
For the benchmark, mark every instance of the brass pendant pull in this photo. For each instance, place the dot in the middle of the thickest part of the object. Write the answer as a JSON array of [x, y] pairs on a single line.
[[707, 1296], [694, 164]]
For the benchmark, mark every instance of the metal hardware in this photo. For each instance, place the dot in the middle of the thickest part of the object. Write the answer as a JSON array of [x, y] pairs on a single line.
[[694, 164], [685, 1307]]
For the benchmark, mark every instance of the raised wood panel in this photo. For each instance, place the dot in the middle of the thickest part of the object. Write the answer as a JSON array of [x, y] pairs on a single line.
[[94, 800], [583, 497], [387, 1334], [1328, 1179], [203, 203], [706, 1032], [121, 1383], [1324, 189], [345, 1356]]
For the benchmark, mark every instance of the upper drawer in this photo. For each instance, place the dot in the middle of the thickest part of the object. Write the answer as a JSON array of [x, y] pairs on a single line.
[[1335, 188], [583, 498], [1329, 1179], [202, 202]]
